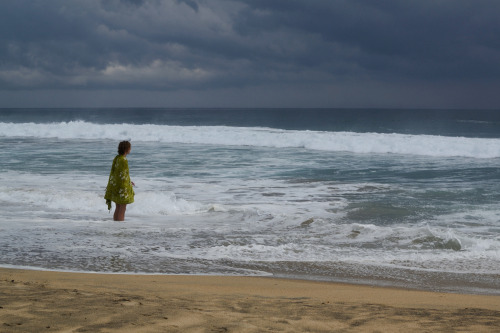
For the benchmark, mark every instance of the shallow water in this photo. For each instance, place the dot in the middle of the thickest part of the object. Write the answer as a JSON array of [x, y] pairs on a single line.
[[214, 197]]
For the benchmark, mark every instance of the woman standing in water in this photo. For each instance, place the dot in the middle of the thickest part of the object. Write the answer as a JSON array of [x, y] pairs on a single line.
[[119, 189]]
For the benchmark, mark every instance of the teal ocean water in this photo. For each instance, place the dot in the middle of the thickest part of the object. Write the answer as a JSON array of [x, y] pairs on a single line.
[[404, 198]]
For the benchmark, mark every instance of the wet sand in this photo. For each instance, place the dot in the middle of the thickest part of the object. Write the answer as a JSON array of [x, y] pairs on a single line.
[[37, 301]]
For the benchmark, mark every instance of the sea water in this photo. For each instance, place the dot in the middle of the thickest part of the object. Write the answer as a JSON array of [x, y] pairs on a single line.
[[404, 198]]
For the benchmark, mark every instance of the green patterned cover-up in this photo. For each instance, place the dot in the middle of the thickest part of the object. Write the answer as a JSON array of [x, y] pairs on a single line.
[[119, 189]]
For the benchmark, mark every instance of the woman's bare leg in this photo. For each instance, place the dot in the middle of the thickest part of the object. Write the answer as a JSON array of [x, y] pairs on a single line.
[[119, 214]]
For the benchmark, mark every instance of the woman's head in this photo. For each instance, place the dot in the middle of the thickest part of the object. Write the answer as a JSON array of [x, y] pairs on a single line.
[[124, 147]]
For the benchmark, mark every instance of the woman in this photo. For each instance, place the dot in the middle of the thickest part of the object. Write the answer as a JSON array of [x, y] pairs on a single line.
[[119, 189]]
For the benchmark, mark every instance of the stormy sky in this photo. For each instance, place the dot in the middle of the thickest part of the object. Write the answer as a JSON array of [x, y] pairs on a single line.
[[250, 53]]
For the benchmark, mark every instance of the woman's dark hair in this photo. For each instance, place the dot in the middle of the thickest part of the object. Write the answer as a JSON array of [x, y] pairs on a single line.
[[123, 147]]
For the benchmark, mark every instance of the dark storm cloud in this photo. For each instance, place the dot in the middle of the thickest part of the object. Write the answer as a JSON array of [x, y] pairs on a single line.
[[317, 45], [436, 39]]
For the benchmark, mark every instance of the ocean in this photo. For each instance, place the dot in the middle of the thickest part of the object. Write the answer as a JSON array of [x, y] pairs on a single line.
[[404, 198]]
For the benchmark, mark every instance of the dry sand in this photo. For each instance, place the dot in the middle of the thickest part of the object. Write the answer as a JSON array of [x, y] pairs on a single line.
[[34, 301]]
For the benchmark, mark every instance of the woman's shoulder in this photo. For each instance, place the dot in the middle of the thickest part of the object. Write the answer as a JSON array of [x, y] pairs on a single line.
[[120, 159]]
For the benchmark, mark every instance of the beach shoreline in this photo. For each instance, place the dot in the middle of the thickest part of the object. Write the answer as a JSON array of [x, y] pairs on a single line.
[[77, 302]]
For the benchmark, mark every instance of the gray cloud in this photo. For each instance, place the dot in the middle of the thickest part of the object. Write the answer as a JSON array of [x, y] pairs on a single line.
[[322, 50], [431, 39]]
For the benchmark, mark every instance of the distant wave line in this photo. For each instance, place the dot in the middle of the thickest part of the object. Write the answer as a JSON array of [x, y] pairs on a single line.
[[364, 143]]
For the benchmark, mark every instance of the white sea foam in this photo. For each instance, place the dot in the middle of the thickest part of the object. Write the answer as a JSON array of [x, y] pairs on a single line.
[[53, 199], [421, 248], [181, 222], [425, 145], [79, 193]]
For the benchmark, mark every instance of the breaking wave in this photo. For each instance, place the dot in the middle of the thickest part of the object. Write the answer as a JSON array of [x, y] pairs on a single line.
[[379, 143]]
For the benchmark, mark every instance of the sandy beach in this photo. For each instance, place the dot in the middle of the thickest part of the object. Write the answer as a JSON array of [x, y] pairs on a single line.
[[39, 301]]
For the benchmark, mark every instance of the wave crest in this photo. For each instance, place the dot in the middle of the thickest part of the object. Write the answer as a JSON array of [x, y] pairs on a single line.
[[380, 143]]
